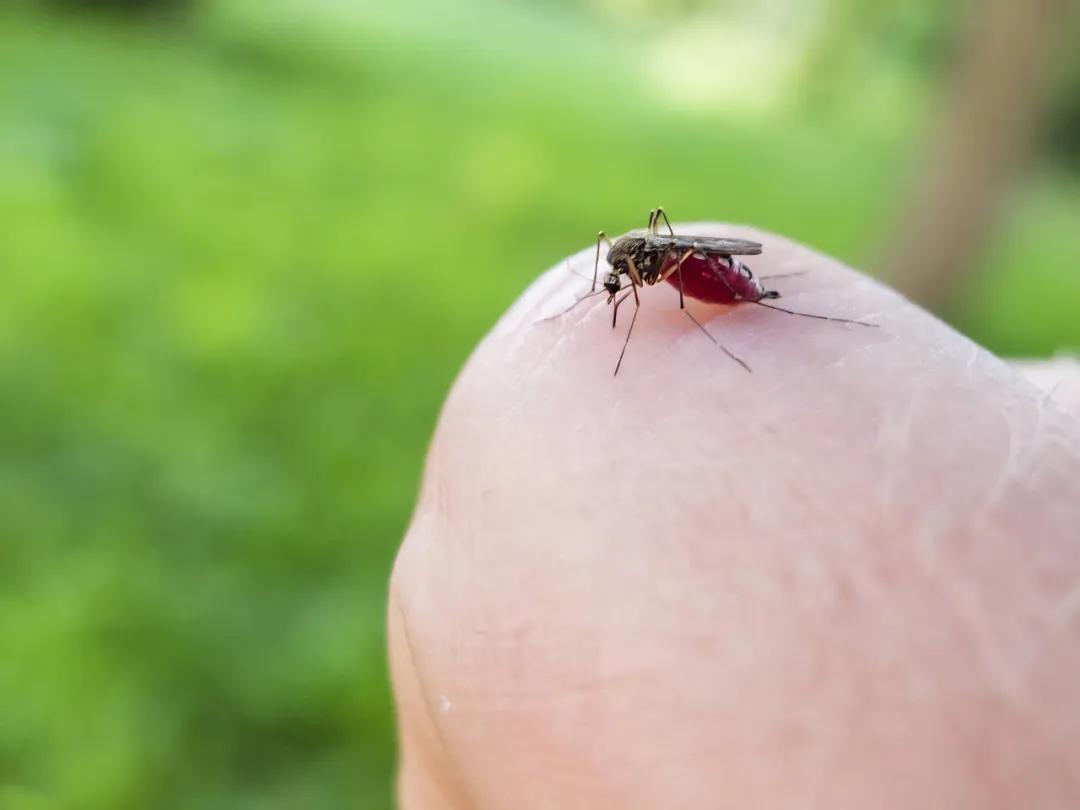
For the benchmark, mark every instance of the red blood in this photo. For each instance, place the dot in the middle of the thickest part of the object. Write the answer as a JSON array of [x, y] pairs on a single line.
[[713, 280]]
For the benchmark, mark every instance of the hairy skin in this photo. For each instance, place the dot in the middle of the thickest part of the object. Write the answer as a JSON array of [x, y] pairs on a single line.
[[850, 579]]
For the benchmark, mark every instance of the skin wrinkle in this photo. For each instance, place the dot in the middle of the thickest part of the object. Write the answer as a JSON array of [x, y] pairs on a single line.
[[773, 408], [892, 435], [1026, 454], [690, 586], [1059, 378], [1067, 612], [411, 662], [995, 660], [1010, 472], [838, 737], [441, 781]]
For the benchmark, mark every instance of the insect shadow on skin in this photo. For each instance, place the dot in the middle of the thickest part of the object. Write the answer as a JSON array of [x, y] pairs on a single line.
[[699, 267]]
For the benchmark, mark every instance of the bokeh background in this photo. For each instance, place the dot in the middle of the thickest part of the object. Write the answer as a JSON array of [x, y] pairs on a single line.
[[246, 244]]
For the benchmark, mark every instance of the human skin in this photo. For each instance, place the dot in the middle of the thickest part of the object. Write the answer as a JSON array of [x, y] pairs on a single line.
[[849, 579]]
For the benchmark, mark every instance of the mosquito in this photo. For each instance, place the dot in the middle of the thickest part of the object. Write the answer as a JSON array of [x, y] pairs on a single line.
[[700, 267]]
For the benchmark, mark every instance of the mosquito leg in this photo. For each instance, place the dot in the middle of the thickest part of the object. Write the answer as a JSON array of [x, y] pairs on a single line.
[[633, 320], [727, 284], [635, 279], [816, 317], [774, 293], [633, 272], [678, 269], [660, 212], [600, 237], [720, 345], [682, 306], [615, 311], [784, 275]]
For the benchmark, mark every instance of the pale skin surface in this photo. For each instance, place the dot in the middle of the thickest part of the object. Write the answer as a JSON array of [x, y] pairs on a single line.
[[850, 579]]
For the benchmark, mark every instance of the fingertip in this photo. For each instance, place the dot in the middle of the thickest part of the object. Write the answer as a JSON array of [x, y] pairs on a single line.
[[668, 559]]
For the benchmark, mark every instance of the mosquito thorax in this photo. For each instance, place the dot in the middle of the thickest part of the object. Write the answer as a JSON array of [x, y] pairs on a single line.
[[624, 248]]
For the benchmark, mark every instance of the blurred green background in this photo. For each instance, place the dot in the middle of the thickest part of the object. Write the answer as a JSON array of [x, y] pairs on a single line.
[[246, 244]]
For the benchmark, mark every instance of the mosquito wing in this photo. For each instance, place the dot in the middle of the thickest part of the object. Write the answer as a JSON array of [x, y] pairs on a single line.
[[704, 244]]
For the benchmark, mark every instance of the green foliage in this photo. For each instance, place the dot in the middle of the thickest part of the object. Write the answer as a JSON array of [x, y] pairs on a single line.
[[126, 6], [242, 260]]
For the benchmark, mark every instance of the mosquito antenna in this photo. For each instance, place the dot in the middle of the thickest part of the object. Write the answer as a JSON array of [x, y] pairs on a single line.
[[708, 334], [627, 341], [809, 315]]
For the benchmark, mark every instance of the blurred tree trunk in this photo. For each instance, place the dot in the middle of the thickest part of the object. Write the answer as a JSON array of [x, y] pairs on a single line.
[[986, 128]]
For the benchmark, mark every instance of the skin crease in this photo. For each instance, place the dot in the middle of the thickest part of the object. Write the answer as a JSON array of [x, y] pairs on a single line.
[[849, 579]]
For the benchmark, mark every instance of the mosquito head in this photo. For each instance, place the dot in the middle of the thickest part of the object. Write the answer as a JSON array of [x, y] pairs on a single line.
[[611, 282], [771, 294]]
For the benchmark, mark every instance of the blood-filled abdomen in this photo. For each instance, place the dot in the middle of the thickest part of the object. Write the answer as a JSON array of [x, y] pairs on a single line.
[[715, 280]]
